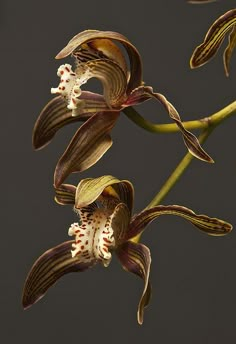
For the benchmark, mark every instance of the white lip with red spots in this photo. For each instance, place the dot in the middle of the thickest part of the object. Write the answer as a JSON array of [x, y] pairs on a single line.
[[69, 86], [93, 238]]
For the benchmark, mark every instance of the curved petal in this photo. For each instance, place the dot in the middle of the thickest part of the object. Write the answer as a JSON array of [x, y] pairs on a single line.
[[89, 35], [136, 258], [65, 194], [87, 146], [113, 79], [144, 93], [90, 189], [56, 115], [209, 225], [120, 220], [214, 37], [46, 271], [100, 48], [229, 50]]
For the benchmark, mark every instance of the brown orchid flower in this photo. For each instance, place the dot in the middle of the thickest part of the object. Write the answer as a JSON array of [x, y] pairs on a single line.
[[214, 38], [97, 55], [105, 206]]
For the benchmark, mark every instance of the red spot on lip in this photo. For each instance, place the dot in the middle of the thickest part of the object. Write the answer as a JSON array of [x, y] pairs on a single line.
[[81, 235], [63, 88], [62, 72], [86, 242], [105, 249], [82, 247], [66, 68], [106, 240], [78, 241]]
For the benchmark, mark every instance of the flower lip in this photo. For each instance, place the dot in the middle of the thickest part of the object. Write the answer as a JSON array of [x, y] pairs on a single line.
[[70, 82], [94, 236]]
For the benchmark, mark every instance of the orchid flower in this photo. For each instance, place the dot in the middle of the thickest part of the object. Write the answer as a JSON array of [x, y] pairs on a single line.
[[97, 55], [106, 225], [214, 38]]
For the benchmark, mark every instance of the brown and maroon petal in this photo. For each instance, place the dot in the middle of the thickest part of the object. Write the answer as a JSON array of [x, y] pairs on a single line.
[[136, 258], [144, 93], [135, 79], [92, 189], [120, 220], [113, 80], [47, 270], [56, 115], [100, 48], [65, 194], [87, 146], [208, 225]]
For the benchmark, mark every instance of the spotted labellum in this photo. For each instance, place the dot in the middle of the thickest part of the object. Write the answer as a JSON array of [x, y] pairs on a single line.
[[106, 226], [97, 55]]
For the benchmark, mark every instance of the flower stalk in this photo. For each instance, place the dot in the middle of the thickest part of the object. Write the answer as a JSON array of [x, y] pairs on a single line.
[[202, 123]]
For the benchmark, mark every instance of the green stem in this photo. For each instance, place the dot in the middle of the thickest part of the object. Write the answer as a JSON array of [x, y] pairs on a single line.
[[179, 170], [203, 123]]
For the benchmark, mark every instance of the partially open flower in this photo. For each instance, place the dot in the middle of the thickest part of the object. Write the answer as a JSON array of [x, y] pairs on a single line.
[[225, 24], [106, 225], [97, 55]]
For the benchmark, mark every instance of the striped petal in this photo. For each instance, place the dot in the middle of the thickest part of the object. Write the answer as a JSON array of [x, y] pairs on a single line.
[[90, 35], [214, 37], [87, 146], [100, 48], [65, 194], [56, 115], [136, 258], [89, 190], [113, 79], [120, 220], [47, 270], [208, 225], [229, 50], [143, 93]]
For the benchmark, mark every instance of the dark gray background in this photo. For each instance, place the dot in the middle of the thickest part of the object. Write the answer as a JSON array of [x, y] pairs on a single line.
[[193, 275]]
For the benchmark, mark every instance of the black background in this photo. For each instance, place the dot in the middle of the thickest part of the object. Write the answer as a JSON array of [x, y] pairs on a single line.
[[193, 275]]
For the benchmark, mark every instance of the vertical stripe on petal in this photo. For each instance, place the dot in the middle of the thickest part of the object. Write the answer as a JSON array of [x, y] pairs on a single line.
[[136, 258]]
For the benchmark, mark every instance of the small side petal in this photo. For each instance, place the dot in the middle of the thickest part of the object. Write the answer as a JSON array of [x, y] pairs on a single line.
[[144, 93], [46, 271], [208, 225], [65, 194], [87, 146], [229, 50], [136, 258], [56, 115], [214, 37]]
